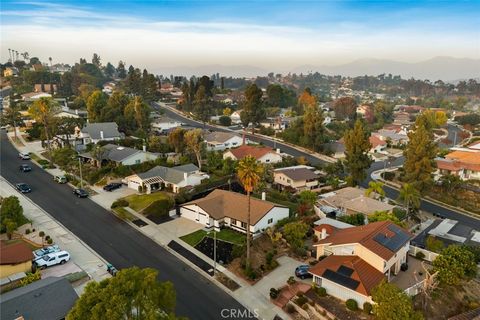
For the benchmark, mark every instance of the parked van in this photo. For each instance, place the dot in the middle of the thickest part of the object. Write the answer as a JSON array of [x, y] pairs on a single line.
[[60, 179], [52, 259]]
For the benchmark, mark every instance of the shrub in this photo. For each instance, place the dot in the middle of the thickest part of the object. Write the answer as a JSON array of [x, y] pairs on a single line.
[[420, 255], [47, 237], [388, 175], [27, 231], [320, 291], [301, 300], [119, 203], [352, 304], [41, 234], [367, 307], [269, 258], [31, 277], [50, 241], [225, 121], [291, 280], [290, 308], [274, 293], [238, 251]]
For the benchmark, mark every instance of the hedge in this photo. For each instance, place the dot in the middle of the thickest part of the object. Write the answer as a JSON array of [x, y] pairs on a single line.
[[119, 203]]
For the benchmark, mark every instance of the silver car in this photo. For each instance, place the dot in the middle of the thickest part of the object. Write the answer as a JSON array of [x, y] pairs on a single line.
[[41, 252]]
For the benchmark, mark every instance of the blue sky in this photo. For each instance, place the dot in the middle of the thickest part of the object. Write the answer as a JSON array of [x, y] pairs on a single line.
[[269, 34]]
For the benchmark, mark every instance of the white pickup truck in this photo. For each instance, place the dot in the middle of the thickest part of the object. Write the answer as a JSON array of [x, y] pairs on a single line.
[[52, 259]]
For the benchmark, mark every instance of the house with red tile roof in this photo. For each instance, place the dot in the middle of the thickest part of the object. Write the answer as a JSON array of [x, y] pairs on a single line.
[[464, 163], [262, 154], [14, 258], [358, 258]]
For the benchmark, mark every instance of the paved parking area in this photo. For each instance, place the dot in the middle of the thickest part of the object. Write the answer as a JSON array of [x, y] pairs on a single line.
[[180, 226], [106, 198], [60, 270]]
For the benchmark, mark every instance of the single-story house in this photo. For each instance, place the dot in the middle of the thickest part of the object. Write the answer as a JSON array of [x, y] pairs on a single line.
[[230, 209], [235, 116], [378, 145], [10, 71], [262, 154], [464, 163], [395, 136], [159, 177], [51, 298], [219, 141], [98, 131], [121, 155], [14, 258], [358, 258], [164, 124], [351, 200], [299, 177], [33, 96]]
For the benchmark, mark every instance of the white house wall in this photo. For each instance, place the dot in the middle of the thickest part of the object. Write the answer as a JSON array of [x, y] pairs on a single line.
[[137, 158], [276, 213], [271, 158], [233, 142], [341, 292]]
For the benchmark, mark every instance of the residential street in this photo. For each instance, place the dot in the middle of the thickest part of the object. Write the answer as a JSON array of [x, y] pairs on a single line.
[[391, 193], [115, 240]]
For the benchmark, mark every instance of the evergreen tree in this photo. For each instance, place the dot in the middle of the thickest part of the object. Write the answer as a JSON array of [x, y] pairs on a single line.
[[253, 107], [96, 103], [121, 72], [313, 126], [419, 155], [357, 146]]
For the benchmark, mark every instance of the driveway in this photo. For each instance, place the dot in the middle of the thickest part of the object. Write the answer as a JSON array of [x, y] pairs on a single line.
[[106, 198], [278, 277], [60, 270]]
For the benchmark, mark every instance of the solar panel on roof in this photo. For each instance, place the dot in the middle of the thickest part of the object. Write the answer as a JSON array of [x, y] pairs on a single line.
[[396, 241], [346, 271], [340, 279]]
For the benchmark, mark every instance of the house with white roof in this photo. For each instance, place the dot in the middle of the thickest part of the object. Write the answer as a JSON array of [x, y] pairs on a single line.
[[120, 155], [219, 140]]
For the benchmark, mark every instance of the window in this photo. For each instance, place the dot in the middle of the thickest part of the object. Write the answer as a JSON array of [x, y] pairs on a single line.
[[244, 225], [233, 222], [270, 220], [137, 161]]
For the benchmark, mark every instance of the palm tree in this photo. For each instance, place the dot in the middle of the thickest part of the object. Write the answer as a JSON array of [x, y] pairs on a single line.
[[10, 54], [249, 172], [377, 188], [410, 197]]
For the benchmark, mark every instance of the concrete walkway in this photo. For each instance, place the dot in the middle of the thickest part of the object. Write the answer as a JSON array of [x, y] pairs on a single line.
[[82, 255]]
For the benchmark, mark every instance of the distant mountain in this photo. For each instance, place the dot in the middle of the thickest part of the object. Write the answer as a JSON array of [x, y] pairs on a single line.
[[444, 68], [234, 71]]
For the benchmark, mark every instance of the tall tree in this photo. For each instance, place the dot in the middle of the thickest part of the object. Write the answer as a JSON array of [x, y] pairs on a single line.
[[306, 99], [249, 173], [96, 104], [313, 126], [391, 303], [43, 111], [454, 264], [253, 107], [420, 155], [345, 108], [410, 197], [133, 293], [176, 139], [11, 210], [202, 104], [195, 143], [357, 160], [121, 71], [96, 60], [137, 115], [109, 70], [12, 117]]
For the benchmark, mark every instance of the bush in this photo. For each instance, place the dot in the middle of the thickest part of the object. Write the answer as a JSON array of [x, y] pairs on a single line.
[[119, 203], [41, 234], [159, 208], [301, 300], [47, 237], [31, 277], [291, 280], [27, 231], [50, 241], [367, 307], [352, 304], [225, 121], [290, 308], [388, 175], [320, 291], [269, 258], [420, 255], [274, 293], [399, 213], [251, 273]]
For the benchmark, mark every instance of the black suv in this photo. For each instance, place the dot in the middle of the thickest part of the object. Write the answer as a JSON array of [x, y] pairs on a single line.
[[80, 193], [23, 188], [112, 186], [25, 168]]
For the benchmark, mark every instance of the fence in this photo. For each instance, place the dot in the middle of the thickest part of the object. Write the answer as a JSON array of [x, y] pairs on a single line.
[[415, 289], [429, 255]]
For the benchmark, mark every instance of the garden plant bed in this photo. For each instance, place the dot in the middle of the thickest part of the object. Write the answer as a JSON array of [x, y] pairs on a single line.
[[139, 223], [224, 249], [336, 307], [226, 281], [227, 235]]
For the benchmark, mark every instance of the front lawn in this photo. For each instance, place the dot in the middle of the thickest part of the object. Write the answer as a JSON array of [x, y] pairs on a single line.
[[140, 202], [227, 235]]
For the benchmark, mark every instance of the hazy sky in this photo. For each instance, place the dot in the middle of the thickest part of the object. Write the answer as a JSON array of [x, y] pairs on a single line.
[[270, 34]]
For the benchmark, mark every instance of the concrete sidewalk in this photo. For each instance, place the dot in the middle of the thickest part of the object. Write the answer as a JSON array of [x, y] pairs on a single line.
[[82, 255]]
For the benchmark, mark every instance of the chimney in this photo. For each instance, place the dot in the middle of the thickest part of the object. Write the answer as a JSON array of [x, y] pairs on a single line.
[[144, 148], [278, 150], [101, 134], [324, 234], [185, 176], [264, 196]]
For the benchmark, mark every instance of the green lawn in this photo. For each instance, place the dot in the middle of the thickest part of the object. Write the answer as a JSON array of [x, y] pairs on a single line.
[[227, 235], [124, 214], [140, 202]]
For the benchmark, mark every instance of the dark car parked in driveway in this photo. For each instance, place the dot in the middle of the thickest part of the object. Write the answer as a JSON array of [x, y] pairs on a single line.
[[302, 271], [25, 168], [112, 186], [23, 188], [81, 193]]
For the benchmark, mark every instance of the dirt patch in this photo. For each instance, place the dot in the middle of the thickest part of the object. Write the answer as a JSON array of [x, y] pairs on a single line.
[[447, 302], [224, 249], [226, 281], [336, 307]]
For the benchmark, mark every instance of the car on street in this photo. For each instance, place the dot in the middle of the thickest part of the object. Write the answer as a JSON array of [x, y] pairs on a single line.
[[81, 193], [302, 271], [112, 186], [24, 155], [23, 187], [47, 250], [52, 259], [25, 168], [60, 179]]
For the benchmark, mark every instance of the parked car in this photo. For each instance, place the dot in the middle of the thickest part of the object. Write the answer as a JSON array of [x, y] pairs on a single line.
[[25, 168], [52, 259], [60, 179], [112, 186], [81, 193], [24, 155], [302, 271], [47, 250], [23, 188]]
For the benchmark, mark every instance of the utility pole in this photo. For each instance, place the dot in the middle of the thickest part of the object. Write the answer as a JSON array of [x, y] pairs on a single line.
[[80, 167], [214, 251], [455, 139]]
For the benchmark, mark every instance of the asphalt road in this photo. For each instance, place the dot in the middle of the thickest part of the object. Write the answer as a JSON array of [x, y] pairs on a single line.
[[390, 192], [115, 240]]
